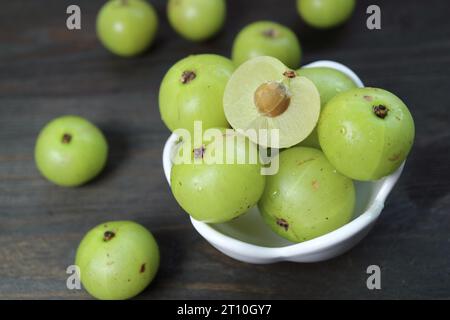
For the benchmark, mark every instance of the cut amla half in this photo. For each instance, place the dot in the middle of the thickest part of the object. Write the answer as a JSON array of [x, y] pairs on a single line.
[[265, 94]]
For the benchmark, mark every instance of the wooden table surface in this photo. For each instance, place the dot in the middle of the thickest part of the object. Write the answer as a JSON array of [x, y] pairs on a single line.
[[47, 71]]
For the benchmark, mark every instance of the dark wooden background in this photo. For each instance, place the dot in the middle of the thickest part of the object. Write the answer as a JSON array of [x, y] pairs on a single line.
[[47, 71]]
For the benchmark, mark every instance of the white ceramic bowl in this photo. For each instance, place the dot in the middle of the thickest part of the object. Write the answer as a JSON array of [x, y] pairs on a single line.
[[249, 239]]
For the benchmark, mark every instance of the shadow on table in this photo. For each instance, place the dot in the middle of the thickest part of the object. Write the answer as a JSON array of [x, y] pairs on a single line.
[[118, 152], [427, 172]]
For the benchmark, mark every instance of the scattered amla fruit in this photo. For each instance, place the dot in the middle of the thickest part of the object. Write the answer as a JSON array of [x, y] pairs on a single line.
[[264, 94], [329, 82], [307, 198], [192, 90], [266, 38], [196, 20], [117, 260], [218, 180], [366, 133], [127, 27], [324, 14], [70, 151]]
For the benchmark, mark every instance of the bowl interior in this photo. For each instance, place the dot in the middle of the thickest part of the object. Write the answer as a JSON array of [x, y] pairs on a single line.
[[250, 227]]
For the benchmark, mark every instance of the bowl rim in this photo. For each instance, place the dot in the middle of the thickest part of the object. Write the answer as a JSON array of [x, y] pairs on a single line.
[[339, 235]]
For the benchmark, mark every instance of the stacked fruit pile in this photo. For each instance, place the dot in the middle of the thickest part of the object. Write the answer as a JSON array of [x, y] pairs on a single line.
[[326, 132], [329, 132]]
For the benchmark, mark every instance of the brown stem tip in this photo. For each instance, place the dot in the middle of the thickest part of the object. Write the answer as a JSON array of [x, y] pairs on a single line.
[[199, 152], [290, 74], [66, 138], [187, 76], [283, 223], [270, 33], [380, 111], [108, 235]]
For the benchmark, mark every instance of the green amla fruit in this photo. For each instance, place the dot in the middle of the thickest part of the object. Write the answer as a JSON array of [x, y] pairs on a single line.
[[307, 198], [214, 184], [117, 260], [366, 133], [329, 82]]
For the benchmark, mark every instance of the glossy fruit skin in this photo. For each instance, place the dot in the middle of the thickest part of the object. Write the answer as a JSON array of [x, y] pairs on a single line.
[[323, 14], [359, 143], [329, 82], [71, 163], [307, 198], [196, 20], [127, 28], [253, 41], [121, 267], [216, 193], [181, 104]]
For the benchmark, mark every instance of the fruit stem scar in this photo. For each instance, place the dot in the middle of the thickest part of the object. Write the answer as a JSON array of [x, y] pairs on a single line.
[[290, 74], [380, 111], [283, 223], [66, 138], [187, 76], [272, 99], [108, 235], [270, 33], [199, 152]]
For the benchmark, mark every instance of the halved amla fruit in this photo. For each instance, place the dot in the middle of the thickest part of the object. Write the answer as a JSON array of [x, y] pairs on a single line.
[[264, 94]]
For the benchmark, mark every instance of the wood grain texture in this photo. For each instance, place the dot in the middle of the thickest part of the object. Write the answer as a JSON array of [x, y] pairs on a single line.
[[47, 71]]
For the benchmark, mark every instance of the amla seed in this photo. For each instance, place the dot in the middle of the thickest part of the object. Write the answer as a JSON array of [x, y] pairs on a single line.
[[272, 99]]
